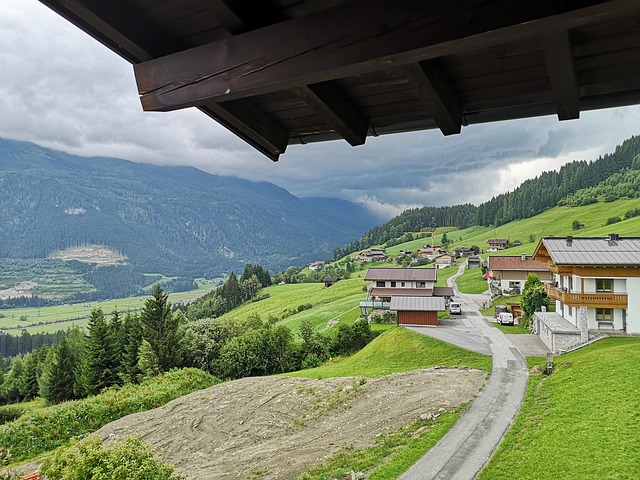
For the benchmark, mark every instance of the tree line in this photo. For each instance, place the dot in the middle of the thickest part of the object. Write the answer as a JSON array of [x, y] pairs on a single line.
[[127, 350], [532, 197]]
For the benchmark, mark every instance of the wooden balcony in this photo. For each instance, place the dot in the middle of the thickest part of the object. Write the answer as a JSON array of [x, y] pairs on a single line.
[[595, 300]]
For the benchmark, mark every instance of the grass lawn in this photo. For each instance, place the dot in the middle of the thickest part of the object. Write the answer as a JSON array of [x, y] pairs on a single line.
[[398, 350], [444, 273], [581, 422], [471, 281]]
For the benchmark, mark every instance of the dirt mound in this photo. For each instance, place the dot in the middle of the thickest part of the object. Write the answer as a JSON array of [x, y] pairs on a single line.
[[278, 427]]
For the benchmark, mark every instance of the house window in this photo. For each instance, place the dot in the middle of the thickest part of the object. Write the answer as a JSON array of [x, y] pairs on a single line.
[[393, 284], [420, 284], [604, 314], [513, 285], [604, 285], [402, 284], [379, 284]]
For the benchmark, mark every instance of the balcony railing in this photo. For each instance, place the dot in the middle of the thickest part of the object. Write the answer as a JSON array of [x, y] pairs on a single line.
[[596, 300]]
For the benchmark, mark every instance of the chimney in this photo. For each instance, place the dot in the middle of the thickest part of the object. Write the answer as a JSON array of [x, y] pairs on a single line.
[[523, 257], [569, 241], [613, 237]]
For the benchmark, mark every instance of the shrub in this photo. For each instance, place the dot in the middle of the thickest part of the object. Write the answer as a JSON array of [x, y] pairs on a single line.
[[612, 220], [9, 413], [129, 460], [47, 428]]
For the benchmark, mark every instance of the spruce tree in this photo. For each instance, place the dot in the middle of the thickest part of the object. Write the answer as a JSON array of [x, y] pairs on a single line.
[[99, 372], [61, 384], [160, 328], [132, 329]]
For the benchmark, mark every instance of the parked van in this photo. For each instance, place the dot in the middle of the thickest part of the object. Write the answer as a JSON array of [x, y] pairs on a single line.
[[455, 308], [505, 318]]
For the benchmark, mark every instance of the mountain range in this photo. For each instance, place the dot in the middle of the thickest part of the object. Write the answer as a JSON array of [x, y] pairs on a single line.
[[168, 220]]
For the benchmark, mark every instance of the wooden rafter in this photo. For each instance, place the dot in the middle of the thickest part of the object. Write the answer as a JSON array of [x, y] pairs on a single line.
[[562, 73], [259, 62], [336, 110], [434, 92]]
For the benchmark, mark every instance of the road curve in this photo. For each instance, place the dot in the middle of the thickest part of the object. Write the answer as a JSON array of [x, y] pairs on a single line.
[[468, 446]]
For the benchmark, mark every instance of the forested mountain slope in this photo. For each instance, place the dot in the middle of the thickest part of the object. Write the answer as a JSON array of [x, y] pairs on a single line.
[[170, 220], [531, 198]]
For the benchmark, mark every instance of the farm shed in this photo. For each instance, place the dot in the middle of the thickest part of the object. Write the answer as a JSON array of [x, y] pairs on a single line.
[[417, 310]]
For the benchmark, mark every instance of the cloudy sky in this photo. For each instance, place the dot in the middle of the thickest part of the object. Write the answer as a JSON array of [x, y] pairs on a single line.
[[61, 89]]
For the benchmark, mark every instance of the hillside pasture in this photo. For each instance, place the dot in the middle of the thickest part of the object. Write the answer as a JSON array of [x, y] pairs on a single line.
[[582, 421]]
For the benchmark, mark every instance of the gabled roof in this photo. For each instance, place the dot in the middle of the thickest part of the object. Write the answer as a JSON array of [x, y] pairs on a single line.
[[417, 304], [284, 72], [597, 251], [401, 274], [497, 241], [517, 263]]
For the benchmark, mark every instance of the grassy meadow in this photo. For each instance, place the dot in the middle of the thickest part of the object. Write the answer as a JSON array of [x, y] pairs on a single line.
[[582, 421], [60, 317]]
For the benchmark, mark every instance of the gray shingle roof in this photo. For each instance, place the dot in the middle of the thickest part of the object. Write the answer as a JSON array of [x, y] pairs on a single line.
[[402, 274], [417, 304], [593, 250]]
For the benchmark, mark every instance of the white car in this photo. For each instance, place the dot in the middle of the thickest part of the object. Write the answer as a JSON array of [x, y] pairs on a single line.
[[455, 308], [505, 318]]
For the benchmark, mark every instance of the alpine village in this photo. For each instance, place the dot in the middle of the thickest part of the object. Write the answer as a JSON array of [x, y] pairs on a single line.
[[161, 322]]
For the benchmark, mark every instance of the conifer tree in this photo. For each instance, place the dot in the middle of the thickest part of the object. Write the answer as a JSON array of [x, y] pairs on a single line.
[[148, 363], [99, 371], [160, 328], [132, 329], [61, 379]]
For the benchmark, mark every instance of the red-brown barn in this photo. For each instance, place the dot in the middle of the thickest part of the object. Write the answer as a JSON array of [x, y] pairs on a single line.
[[417, 310]]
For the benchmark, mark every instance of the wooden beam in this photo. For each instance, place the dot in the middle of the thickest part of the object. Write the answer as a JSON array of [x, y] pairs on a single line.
[[335, 108], [114, 25], [562, 73], [250, 124], [436, 96], [375, 35]]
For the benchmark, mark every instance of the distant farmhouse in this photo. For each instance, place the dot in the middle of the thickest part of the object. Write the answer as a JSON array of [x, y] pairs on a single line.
[[372, 255], [596, 286], [316, 265], [496, 244], [411, 292]]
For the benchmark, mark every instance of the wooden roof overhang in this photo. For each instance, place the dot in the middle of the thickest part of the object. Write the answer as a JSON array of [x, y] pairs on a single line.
[[280, 72]]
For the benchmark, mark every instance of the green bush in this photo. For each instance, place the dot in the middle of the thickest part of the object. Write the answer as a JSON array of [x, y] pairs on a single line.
[[612, 220], [47, 428], [9, 413], [129, 460]]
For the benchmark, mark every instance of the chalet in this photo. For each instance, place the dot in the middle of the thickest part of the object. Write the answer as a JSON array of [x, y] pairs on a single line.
[[407, 283], [474, 261], [596, 287], [445, 260], [406, 252], [496, 244], [372, 255], [509, 273], [463, 252], [429, 251]]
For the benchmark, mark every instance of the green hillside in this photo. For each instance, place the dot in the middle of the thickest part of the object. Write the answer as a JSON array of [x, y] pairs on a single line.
[[581, 422]]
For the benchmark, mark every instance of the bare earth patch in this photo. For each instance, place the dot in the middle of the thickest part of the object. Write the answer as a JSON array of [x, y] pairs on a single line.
[[23, 289], [279, 427], [90, 254]]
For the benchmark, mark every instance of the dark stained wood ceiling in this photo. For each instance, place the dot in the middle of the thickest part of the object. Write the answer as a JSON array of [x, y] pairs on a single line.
[[280, 72]]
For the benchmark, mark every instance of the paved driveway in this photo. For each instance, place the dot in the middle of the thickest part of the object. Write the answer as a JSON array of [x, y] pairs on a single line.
[[468, 446]]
